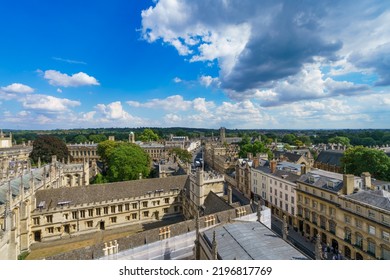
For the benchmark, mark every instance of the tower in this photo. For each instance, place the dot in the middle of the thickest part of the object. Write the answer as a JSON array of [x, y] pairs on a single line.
[[131, 137], [222, 135]]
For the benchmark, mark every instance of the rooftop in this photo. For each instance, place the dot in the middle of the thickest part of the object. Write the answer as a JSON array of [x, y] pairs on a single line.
[[251, 241], [378, 198]]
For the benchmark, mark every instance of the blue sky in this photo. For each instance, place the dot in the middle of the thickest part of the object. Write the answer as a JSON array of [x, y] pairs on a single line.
[[238, 64]]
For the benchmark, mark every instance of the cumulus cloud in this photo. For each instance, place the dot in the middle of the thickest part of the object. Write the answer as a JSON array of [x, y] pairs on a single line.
[[265, 49], [57, 78], [48, 103], [177, 80], [175, 103], [17, 88]]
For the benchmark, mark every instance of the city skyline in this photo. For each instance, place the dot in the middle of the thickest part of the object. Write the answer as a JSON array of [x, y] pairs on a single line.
[[251, 64]]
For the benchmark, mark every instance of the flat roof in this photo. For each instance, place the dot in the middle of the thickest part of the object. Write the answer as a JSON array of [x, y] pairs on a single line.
[[251, 241]]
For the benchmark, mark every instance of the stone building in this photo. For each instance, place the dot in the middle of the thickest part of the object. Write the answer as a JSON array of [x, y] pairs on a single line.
[[276, 188], [349, 214], [5, 142], [14, 161], [17, 202], [83, 151], [330, 160]]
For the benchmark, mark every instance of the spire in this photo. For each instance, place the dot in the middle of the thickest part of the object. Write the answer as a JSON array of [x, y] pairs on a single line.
[[318, 248], [214, 250], [285, 228], [197, 228], [258, 212]]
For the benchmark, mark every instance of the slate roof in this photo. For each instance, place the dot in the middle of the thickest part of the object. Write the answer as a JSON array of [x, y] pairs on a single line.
[[285, 175], [292, 157], [250, 241], [321, 181], [331, 157], [110, 191], [378, 198], [214, 204]]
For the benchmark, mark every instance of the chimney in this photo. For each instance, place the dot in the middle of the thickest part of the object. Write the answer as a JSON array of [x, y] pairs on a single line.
[[249, 156], [255, 162], [273, 164], [305, 169], [230, 193], [348, 184], [366, 176], [53, 158]]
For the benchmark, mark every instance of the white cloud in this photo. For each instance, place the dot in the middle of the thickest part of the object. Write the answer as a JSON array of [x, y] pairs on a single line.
[[113, 111], [174, 102], [47, 103], [59, 90], [57, 78], [89, 116], [209, 81], [17, 88], [177, 80]]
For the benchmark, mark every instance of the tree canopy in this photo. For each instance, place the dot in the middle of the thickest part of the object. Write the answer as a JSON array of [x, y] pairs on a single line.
[[359, 159], [184, 155], [257, 147], [148, 135], [97, 138], [339, 140], [45, 146], [105, 148], [126, 162]]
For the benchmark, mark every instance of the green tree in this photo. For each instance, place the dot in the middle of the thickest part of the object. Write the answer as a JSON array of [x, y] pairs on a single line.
[[105, 148], [126, 162], [148, 135], [339, 140], [45, 146], [256, 147], [97, 138], [289, 139], [80, 139], [184, 155], [359, 159]]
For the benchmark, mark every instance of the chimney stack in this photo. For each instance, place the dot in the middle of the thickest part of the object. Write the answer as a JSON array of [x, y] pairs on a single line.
[[348, 184], [273, 164], [366, 176]]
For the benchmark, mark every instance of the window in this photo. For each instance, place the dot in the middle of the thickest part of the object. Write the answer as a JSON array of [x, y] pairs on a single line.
[[176, 208], [322, 194], [276, 201], [90, 212], [358, 223], [146, 213], [145, 204], [105, 210], [332, 211], [82, 213], [307, 201], [286, 207], [371, 229], [134, 216], [89, 223], [358, 209], [36, 221], [322, 208], [371, 247], [97, 211], [299, 198], [359, 240], [113, 220], [270, 199], [386, 220], [270, 190], [348, 235], [165, 210], [166, 200], [385, 236], [314, 204], [134, 205], [49, 218], [66, 216], [127, 207], [347, 219], [293, 211], [74, 215], [276, 192], [50, 230], [347, 205], [331, 197], [113, 208], [371, 214], [281, 195], [332, 227], [281, 204], [120, 208], [286, 197], [286, 187]]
